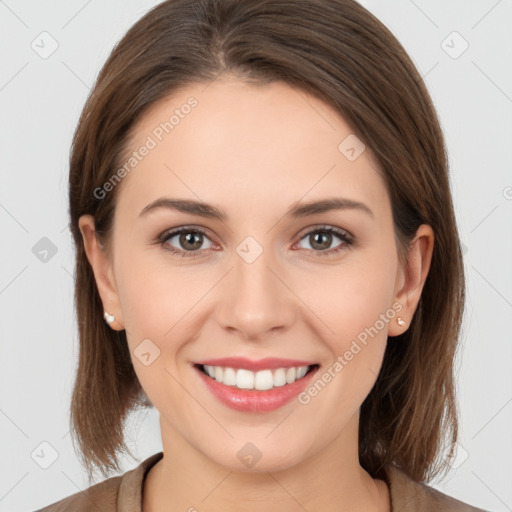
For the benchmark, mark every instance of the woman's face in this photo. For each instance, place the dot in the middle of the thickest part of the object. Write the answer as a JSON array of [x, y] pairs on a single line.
[[260, 282]]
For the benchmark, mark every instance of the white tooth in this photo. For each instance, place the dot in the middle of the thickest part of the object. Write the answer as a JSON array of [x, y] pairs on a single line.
[[210, 370], [229, 377], [290, 375], [301, 371], [279, 377], [263, 380], [244, 379]]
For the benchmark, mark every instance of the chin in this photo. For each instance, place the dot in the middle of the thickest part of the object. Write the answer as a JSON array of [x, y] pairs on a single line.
[[257, 456]]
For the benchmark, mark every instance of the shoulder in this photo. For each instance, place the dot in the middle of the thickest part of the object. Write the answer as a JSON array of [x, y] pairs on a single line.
[[406, 494], [101, 496], [116, 494]]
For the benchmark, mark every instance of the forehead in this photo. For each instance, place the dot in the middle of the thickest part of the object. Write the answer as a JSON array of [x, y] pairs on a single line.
[[248, 145]]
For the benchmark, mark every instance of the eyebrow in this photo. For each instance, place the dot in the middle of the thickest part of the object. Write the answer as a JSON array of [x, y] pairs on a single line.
[[297, 209]]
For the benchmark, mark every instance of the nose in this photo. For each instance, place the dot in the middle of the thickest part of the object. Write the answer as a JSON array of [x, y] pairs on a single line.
[[256, 301]]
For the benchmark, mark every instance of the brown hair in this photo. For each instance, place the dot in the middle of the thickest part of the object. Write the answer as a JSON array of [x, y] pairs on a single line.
[[339, 52]]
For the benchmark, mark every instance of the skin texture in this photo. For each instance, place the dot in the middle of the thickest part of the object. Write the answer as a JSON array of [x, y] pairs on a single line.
[[253, 151]]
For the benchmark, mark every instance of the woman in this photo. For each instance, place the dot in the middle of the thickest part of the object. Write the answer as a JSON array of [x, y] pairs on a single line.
[[267, 253]]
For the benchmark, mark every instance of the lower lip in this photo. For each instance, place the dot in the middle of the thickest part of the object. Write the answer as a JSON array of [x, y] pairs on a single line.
[[250, 400]]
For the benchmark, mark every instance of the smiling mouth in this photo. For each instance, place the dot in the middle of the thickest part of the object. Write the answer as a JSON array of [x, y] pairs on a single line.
[[261, 380]]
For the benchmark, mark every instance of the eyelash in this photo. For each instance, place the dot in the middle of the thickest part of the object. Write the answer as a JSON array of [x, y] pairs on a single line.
[[164, 237]]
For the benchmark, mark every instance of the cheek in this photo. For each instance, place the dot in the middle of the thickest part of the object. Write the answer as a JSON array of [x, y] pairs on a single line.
[[351, 297], [354, 300], [156, 302], [154, 295], [161, 303]]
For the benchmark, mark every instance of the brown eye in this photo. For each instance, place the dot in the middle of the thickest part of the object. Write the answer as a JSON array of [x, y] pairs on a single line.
[[321, 239], [190, 241], [185, 240]]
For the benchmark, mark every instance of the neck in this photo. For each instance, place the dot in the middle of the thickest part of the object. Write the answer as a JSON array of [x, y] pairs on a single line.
[[330, 480]]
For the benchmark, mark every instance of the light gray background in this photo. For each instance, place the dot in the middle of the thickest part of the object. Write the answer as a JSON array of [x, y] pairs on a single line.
[[41, 99]]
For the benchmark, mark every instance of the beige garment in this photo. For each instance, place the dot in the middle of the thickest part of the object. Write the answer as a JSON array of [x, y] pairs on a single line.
[[124, 494]]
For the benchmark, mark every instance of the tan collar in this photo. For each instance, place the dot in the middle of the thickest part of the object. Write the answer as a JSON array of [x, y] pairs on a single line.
[[408, 495]]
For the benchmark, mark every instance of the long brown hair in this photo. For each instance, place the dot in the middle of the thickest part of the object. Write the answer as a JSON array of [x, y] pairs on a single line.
[[339, 52]]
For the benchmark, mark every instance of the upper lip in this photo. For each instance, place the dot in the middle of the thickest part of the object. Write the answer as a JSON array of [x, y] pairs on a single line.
[[261, 364]]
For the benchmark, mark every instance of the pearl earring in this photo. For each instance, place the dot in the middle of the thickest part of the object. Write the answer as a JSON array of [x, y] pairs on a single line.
[[400, 321], [108, 317]]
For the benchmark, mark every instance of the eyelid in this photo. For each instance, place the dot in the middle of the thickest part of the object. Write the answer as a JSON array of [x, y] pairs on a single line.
[[305, 231], [326, 227]]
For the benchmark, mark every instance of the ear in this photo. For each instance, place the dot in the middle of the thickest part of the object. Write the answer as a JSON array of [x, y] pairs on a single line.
[[101, 264], [411, 278]]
